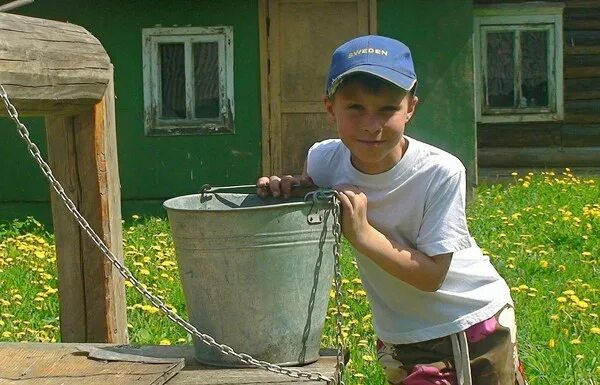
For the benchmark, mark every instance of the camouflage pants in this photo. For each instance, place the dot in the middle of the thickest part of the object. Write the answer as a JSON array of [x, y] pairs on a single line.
[[490, 348]]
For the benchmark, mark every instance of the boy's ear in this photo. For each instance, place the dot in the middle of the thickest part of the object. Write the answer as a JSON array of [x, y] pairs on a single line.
[[329, 107], [412, 105]]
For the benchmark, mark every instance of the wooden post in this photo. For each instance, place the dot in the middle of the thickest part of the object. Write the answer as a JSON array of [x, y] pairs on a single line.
[[60, 71], [83, 156]]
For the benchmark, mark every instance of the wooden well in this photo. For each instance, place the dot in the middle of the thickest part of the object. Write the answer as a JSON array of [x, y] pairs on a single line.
[[60, 71]]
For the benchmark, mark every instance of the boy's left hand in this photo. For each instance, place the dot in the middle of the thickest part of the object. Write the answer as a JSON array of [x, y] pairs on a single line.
[[354, 213]]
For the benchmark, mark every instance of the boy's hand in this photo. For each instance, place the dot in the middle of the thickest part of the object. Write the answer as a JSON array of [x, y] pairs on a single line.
[[281, 186], [355, 225]]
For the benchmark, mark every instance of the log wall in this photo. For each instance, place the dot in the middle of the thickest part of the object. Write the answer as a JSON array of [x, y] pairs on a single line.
[[574, 142]]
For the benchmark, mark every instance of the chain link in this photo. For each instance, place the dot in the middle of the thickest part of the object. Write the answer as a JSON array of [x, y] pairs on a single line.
[[156, 301]]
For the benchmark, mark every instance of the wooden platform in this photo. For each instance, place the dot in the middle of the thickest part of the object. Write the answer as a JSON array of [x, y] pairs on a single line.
[[73, 363]]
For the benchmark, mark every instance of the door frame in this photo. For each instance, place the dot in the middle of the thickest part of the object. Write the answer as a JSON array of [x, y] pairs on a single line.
[[271, 135]]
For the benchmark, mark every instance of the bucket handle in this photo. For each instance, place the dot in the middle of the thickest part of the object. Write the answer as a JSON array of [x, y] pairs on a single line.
[[317, 195], [315, 216]]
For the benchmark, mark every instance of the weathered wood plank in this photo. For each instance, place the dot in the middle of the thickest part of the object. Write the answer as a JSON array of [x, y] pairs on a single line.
[[591, 107], [582, 18], [582, 50], [24, 364], [582, 72], [45, 61], [582, 118], [539, 157], [193, 372], [581, 135], [83, 151], [585, 38], [582, 88], [582, 61], [518, 135], [63, 162], [582, 3]]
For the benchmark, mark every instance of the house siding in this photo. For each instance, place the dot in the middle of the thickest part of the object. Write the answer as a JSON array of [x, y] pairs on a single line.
[[152, 169], [573, 142]]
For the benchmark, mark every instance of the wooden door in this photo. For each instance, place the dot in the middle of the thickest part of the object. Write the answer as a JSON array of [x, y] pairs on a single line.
[[298, 38]]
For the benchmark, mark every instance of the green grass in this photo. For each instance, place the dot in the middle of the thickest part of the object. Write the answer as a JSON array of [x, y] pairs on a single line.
[[542, 233]]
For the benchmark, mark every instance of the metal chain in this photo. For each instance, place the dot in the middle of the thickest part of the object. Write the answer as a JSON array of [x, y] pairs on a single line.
[[337, 271], [226, 350]]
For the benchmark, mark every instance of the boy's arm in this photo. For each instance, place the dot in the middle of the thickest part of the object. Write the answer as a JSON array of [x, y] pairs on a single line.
[[424, 272]]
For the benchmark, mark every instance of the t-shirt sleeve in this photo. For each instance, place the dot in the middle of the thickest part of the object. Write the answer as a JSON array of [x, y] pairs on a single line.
[[319, 161], [444, 226]]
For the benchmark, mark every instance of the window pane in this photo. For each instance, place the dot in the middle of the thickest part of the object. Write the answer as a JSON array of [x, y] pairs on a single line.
[[534, 67], [500, 69], [172, 72], [206, 79]]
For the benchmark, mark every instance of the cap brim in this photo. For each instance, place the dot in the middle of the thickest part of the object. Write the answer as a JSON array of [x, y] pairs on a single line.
[[399, 79]]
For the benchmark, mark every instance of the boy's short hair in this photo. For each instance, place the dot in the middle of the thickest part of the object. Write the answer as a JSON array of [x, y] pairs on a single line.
[[371, 83], [380, 56]]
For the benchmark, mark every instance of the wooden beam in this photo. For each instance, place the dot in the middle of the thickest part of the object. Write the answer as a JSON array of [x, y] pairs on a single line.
[[48, 64], [582, 3], [582, 49], [539, 157], [83, 156]]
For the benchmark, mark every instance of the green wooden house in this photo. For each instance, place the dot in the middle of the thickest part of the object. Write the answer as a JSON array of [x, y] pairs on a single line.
[[221, 92]]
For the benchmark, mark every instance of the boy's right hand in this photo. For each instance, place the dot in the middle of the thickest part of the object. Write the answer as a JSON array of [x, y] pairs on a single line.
[[281, 186]]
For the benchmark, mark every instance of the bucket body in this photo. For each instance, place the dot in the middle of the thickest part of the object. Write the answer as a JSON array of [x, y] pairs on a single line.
[[256, 274]]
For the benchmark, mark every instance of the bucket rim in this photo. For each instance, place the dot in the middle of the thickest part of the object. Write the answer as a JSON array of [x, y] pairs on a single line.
[[294, 202]]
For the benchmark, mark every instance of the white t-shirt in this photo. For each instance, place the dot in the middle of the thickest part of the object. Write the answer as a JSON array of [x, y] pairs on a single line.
[[419, 203]]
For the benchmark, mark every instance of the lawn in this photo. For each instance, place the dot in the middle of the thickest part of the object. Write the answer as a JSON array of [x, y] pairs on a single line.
[[542, 232]]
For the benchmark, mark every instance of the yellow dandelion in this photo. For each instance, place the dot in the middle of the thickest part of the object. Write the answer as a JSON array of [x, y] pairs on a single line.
[[358, 375], [368, 358], [595, 330], [561, 299], [543, 264], [562, 268], [6, 334], [574, 298], [144, 272], [554, 317], [575, 341], [165, 342], [568, 292], [582, 304], [551, 343]]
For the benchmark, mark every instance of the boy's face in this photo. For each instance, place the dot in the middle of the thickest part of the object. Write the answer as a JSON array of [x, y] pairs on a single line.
[[371, 123]]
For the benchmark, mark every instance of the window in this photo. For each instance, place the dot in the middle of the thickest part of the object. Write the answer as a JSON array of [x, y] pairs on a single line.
[[518, 62], [188, 80]]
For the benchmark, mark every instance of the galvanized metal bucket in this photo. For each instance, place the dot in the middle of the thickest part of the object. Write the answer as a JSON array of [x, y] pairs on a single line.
[[256, 273]]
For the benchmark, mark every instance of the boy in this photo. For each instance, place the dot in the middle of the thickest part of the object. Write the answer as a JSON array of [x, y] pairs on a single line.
[[441, 312]]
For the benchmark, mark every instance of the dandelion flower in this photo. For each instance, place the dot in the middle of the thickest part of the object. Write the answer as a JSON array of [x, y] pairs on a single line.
[[575, 341], [561, 299], [368, 358], [595, 330], [543, 264], [165, 342], [551, 343]]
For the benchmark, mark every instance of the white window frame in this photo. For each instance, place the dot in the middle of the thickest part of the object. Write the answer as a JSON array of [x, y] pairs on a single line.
[[153, 124], [517, 17]]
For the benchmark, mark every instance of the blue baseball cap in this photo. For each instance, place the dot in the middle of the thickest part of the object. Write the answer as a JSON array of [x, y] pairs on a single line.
[[381, 56]]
